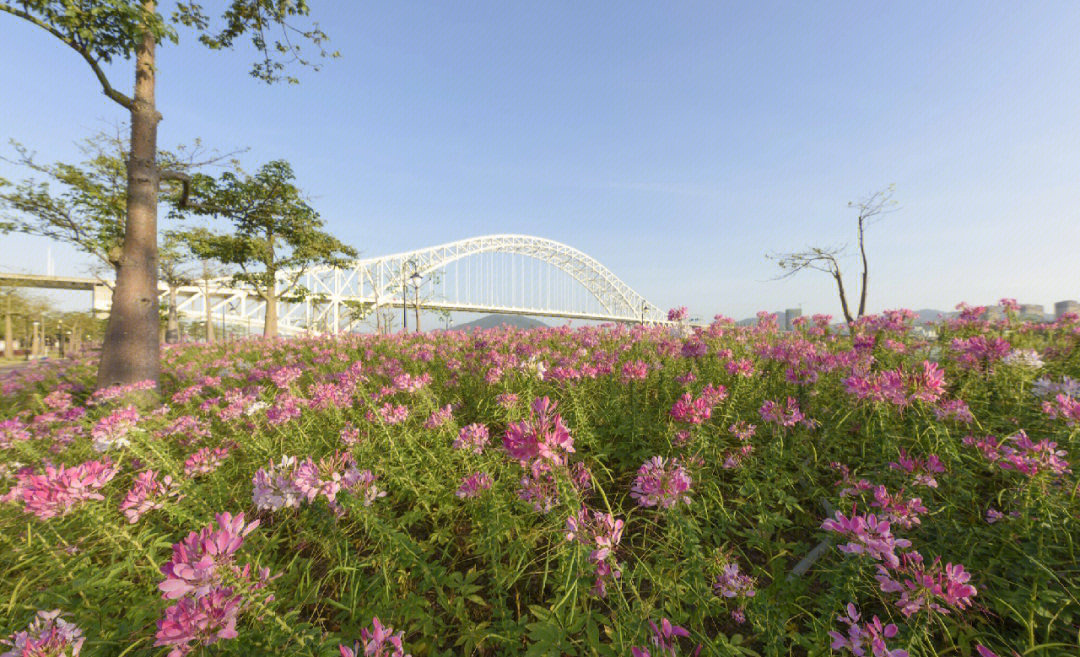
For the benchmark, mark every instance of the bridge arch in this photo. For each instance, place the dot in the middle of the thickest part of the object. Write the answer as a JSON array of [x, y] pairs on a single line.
[[377, 282]]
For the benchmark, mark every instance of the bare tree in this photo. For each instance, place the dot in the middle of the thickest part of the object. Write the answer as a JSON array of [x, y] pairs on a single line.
[[827, 259]]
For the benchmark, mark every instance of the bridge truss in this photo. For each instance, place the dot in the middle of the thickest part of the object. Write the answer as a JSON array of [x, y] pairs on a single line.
[[507, 274]]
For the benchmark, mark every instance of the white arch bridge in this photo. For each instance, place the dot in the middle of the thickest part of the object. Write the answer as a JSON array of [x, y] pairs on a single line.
[[506, 274]]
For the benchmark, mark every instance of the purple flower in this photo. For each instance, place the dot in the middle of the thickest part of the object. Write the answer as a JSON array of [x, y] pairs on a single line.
[[543, 436], [866, 640], [473, 437], [199, 561], [471, 485], [661, 482], [868, 535], [205, 619], [380, 641], [147, 494], [48, 634]]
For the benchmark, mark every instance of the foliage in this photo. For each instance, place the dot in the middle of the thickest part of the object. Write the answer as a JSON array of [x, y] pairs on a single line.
[[89, 209], [604, 491], [274, 230]]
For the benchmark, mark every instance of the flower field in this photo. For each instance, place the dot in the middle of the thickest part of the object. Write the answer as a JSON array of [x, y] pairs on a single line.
[[596, 491]]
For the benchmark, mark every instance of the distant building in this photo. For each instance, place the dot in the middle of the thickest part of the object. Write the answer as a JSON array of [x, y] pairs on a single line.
[[1062, 307], [1032, 311], [993, 313], [789, 317]]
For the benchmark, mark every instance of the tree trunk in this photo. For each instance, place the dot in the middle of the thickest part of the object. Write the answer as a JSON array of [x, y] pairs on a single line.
[[76, 341], [130, 351], [862, 250], [9, 337], [206, 302], [270, 324], [35, 343], [172, 330], [843, 299]]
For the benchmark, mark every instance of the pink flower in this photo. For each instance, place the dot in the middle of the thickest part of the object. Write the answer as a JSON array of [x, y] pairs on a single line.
[[47, 635], [691, 411], [743, 367], [274, 487], [472, 437], [440, 417], [380, 641], [677, 314], [205, 460], [785, 415], [954, 409], [635, 370], [602, 532], [661, 483], [471, 485], [1066, 408], [205, 620], [543, 436], [665, 639], [350, 435], [362, 484], [733, 584], [867, 640], [111, 430], [61, 489], [393, 413], [199, 561], [148, 494], [867, 535], [926, 587]]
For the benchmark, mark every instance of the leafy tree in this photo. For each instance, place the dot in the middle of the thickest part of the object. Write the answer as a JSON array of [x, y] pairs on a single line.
[[104, 30], [277, 237], [173, 258], [88, 210], [827, 259]]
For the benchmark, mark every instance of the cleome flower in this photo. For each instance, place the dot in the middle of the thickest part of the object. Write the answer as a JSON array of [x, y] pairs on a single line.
[[60, 489], [867, 639], [473, 437], [199, 562], [148, 494], [661, 482], [471, 485], [602, 532], [543, 436], [380, 641], [47, 635]]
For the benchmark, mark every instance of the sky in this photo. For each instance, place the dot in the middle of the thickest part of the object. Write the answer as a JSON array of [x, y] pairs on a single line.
[[676, 143]]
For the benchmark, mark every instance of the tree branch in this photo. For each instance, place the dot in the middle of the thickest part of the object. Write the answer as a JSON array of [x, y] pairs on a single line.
[[184, 180], [119, 98]]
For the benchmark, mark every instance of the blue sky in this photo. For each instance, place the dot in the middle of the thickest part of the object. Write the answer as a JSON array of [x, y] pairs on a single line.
[[677, 143]]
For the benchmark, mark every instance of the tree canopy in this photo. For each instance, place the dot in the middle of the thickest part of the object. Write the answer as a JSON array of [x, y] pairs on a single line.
[[276, 235]]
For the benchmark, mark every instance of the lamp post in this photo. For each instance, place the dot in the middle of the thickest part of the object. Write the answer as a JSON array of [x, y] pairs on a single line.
[[415, 279], [644, 306]]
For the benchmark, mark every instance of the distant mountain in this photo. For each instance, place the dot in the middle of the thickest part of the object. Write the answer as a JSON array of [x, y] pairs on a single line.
[[495, 321], [932, 316]]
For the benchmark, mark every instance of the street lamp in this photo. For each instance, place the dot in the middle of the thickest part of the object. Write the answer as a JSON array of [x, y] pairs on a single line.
[[644, 307], [415, 279]]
